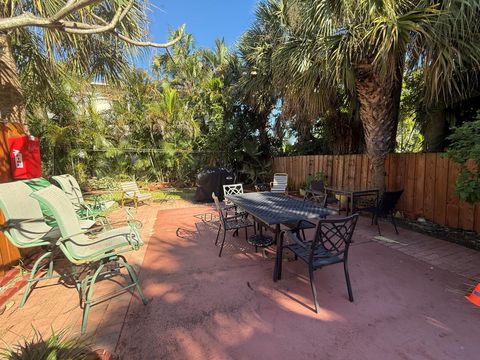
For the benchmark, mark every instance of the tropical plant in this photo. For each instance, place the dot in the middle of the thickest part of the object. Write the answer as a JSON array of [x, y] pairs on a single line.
[[465, 150], [91, 37], [365, 46], [58, 346]]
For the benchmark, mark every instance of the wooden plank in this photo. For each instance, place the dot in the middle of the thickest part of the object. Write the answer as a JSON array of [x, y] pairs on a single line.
[[351, 171], [358, 171], [409, 186], [452, 198], [429, 187], [441, 183], [476, 225], [365, 170], [467, 211], [418, 196], [391, 169]]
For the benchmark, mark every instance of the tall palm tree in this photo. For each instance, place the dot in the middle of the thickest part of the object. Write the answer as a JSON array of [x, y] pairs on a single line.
[[365, 46]]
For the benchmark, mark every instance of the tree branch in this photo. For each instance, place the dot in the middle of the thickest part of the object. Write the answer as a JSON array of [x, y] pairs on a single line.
[[143, 43], [96, 29]]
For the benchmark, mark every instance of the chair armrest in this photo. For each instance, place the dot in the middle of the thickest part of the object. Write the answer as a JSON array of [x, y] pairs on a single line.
[[134, 224], [237, 216], [289, 234]]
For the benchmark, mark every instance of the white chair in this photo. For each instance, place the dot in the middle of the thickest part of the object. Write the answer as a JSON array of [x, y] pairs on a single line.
[[131, 192], [279, 183], [233, 189]]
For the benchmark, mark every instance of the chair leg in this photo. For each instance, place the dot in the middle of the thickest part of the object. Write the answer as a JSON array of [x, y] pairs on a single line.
[[347, 279], [218, 234], [303, 235], [373, 218], [133, 276], [314, 290], [394, 224], [88, 298], [378, 227], [223, 242], [246, 234], [32, 279]]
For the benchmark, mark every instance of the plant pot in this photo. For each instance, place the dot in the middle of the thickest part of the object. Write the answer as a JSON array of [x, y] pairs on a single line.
[[302, 192]]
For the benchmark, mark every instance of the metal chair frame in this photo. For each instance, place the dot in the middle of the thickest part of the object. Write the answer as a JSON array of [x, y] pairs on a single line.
[[233, 222], [329, 246]]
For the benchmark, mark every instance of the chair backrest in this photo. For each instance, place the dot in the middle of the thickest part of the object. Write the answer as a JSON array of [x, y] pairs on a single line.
[[130, 188], [24, 220], [280, 182], [388, 201], [233, 189], [218, 207], [317, 185], [334, 235], [70, 187], [64, 212]]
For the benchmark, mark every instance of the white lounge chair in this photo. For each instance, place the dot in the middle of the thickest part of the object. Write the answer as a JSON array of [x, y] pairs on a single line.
[[131, 192], [279, 183]]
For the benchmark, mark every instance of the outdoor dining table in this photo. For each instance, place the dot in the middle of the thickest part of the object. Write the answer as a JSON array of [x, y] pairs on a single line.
[[274, 209], [352, 193]]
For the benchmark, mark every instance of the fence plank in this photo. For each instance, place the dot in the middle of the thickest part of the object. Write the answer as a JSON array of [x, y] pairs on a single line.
[[409, 186], [429, 187], [418, 197], [452, 199], [441, 177]]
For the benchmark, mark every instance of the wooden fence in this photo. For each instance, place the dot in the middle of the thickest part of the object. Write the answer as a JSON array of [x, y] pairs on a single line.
[[9, 254], [427, 179]]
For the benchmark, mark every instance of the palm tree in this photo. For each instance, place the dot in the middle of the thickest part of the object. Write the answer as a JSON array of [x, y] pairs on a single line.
[[365, 46], [90, 37]]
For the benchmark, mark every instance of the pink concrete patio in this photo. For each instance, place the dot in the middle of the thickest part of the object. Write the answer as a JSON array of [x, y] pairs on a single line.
[[408, 300]]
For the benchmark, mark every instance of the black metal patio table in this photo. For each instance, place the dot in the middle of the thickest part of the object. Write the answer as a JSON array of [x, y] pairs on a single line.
[[274, 209]]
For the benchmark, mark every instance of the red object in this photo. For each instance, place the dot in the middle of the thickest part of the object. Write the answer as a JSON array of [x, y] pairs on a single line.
[[474, 297], [25, 157]]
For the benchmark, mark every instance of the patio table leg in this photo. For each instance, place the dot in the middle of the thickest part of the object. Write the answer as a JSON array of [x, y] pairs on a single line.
[[279, 253]]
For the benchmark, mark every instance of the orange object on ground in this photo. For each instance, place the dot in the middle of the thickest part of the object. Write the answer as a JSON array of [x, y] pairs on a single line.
[[474, 297]]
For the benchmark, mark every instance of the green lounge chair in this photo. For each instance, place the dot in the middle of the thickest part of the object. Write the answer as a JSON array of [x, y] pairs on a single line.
[[70, 186], [94, 251], [25, 227]]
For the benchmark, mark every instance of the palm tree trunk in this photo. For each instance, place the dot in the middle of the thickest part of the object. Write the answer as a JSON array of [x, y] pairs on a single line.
[[12, 105], [377, 112]]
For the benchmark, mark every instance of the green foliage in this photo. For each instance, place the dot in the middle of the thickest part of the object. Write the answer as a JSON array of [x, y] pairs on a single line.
[[465, 150], [58, 346], [319, 176]]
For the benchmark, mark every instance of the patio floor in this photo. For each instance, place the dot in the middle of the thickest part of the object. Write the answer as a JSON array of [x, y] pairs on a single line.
[[408, 292]]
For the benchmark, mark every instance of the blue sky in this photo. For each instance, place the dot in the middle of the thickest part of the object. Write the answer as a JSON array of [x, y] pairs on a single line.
[[205, 19]]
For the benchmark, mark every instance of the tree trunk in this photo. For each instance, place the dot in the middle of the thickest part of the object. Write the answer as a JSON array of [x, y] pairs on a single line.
[[377, 112], [434, 130], [12, 105]]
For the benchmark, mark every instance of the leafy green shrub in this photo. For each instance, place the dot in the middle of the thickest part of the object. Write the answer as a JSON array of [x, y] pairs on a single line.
[[58, 346], [465, 150]]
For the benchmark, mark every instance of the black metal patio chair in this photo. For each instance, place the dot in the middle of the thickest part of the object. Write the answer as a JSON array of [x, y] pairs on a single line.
[[229, 222], [385, 208], [329, 246]]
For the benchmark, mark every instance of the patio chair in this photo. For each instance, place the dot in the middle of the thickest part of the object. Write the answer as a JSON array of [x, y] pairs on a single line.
[[329, 246], [131, 192], [93, 251], [385, 208], [279, 183], [317, 192], [233, 189], [234, 222], [25, 227], [70, 186]]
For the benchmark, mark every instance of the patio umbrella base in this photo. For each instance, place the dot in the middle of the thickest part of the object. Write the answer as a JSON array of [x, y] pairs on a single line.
[[260, 240]]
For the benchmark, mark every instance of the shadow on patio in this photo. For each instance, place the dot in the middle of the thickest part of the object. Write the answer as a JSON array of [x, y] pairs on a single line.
[[202, 306]]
